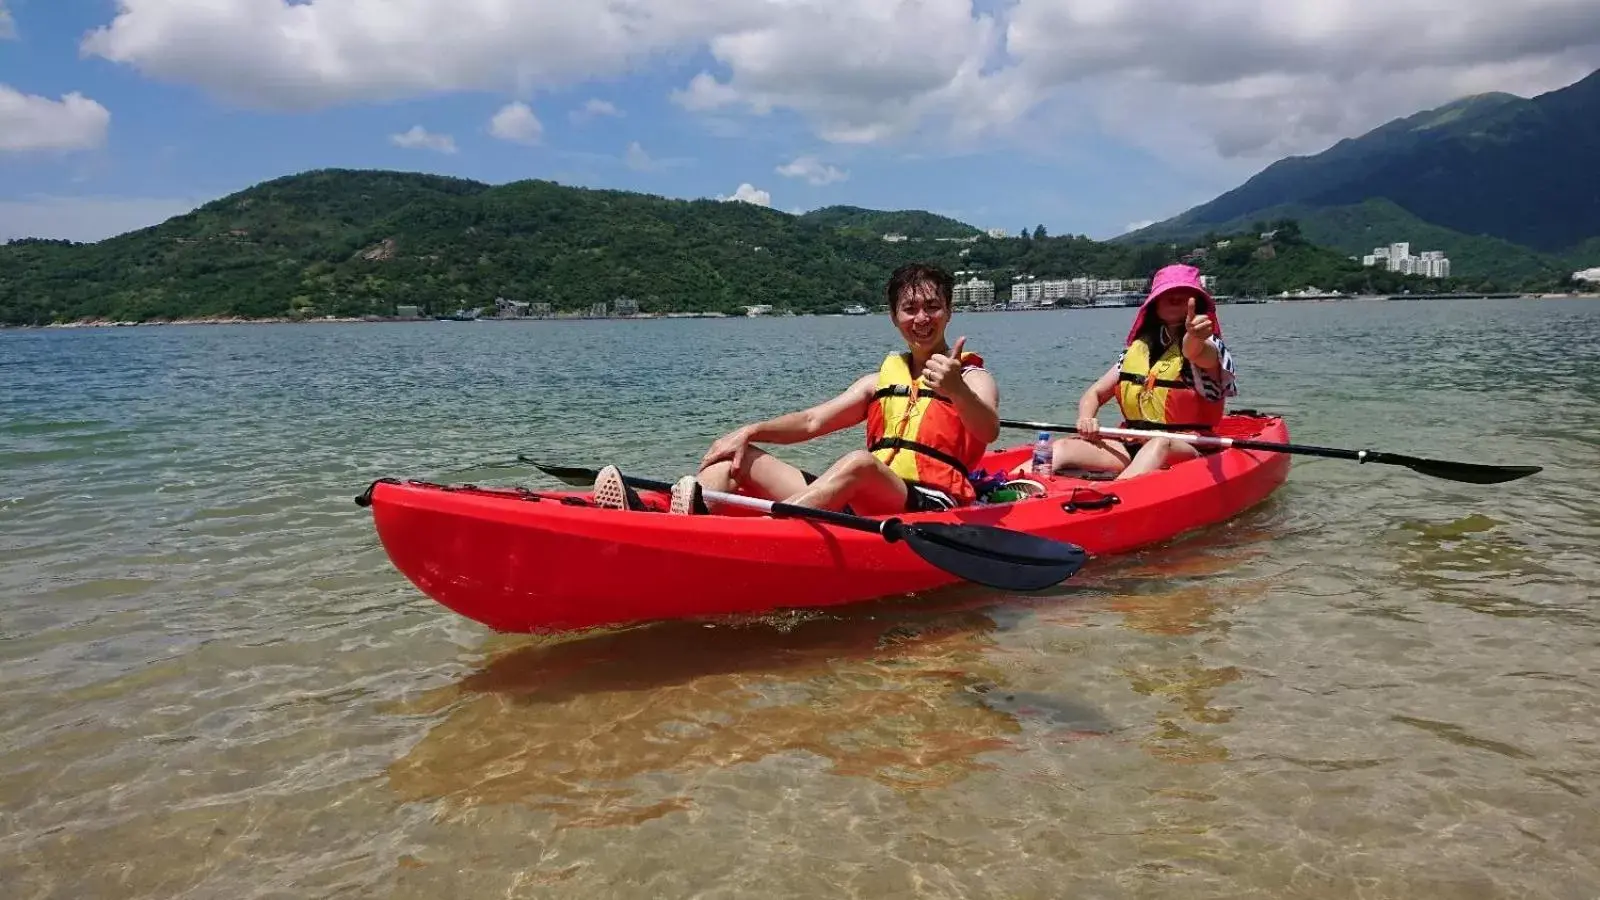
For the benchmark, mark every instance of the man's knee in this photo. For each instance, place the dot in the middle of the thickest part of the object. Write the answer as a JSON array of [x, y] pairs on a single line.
[[718, 476], [857, 462]]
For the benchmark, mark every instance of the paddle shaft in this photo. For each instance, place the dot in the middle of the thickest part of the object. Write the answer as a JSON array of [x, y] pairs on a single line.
[[1210, 441], [1472, 473], [778, 509]]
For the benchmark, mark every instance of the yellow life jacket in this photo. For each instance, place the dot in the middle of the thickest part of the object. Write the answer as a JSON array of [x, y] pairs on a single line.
[[1163, 395], [919, 434]]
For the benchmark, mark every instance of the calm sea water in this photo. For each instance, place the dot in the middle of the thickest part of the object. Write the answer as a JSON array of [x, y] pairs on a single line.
[[1377, 684]]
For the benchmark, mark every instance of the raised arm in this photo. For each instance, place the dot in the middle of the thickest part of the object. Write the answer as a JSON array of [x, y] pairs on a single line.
[[973, 392], [979, 405]]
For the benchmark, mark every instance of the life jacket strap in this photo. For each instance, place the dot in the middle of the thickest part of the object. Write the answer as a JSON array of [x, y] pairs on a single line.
[[1160, 382], [904, 390], [890, 443], [1141, 424]]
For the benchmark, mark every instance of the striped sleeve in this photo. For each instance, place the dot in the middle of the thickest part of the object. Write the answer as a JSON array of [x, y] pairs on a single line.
[[1211, 389]]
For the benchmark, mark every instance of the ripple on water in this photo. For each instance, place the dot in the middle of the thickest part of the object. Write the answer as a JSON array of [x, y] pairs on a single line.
[[1376, 684]]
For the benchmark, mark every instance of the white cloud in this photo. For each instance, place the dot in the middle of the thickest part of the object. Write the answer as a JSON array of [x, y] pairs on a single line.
[[1240, 78], [30, 122], [516, 123], [706, 93], [1303, 74], [749, 193], [594, 109], [640, 160], [637, 159], [419, 138], [861, 72], [1135, 226], [86, 218], [302, 54], [812, 170], [8, 25]]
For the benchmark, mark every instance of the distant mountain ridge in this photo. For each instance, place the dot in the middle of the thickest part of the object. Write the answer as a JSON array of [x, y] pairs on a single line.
[[367, 243], [1491, 167]]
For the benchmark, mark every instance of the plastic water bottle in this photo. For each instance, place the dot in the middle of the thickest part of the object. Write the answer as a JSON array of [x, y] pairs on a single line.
[[1043, 454]]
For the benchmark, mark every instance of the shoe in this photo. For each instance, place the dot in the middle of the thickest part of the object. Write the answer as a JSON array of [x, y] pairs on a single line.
[[611, 493], [686, 499]]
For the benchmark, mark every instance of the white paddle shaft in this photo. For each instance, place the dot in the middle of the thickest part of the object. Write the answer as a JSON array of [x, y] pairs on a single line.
[[1200, 439]]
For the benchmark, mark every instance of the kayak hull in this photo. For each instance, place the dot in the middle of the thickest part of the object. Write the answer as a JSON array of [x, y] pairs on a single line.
[[517, 560]]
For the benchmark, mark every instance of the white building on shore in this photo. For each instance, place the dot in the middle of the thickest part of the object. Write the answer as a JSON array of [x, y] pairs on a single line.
[[1397, 258], [973, 292], [1029, 291]]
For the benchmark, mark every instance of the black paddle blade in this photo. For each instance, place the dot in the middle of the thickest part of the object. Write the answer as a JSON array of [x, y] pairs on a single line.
[[1008, 560], [576, 476], [1471, 473]]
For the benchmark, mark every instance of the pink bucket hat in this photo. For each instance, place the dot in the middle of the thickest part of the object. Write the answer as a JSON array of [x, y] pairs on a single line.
[[1176, 277]]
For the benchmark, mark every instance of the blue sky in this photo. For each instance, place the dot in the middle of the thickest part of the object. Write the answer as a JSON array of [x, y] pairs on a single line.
[[116, 114]]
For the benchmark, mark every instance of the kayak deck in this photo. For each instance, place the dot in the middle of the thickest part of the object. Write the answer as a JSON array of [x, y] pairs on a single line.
[[522, 560]]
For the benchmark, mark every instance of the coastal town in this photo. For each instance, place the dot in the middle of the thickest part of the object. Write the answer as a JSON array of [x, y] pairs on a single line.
[[1025, 292]]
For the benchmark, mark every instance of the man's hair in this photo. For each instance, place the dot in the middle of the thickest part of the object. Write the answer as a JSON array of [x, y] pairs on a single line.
[[919, 273]]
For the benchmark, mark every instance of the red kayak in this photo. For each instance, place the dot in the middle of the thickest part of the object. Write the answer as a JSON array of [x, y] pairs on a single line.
[[519, 560]]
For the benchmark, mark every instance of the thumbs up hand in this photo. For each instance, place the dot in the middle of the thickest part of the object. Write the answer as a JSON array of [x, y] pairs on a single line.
[[1201, 328], [1197, 330], [1197, 333], [942, 372]]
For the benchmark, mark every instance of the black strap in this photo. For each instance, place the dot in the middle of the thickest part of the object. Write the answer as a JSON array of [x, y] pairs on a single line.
[[930, 452], [904, 390], [1164, 426], [1160, 382]]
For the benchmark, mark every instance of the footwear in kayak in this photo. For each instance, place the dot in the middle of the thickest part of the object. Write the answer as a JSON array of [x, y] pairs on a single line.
[[519, 560]]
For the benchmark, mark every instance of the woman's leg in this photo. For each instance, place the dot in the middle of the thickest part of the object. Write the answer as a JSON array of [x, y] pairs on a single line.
[[1157, 454]]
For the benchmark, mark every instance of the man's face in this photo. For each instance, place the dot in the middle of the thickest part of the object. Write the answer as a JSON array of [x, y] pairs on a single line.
[[921, 315]]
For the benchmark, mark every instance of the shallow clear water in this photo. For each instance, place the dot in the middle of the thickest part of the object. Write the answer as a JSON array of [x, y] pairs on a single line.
[[1377, 684]]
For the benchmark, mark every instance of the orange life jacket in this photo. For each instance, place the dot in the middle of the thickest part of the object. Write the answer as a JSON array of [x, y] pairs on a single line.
[[919, 434]]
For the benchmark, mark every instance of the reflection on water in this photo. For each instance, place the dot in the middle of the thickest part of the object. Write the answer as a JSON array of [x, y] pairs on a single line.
[[618, 728], [583, 727]]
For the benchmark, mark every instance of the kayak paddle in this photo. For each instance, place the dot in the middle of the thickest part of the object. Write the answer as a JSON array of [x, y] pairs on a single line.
[[1472, 473], [995, 557]]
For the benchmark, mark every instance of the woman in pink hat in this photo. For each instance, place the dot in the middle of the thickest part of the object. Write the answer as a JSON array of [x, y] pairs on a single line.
[[1173, 375]]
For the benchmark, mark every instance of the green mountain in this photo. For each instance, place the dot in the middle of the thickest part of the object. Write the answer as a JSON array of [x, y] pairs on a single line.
[[912, 223], [1357, 229], [360, 243], [1484, 172]]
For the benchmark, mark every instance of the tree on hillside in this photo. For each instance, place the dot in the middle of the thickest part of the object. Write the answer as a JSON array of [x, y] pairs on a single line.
[[1150, 258], [1288, 231]]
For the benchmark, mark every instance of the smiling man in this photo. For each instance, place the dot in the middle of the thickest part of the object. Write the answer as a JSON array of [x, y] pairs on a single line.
[[931, 412]]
